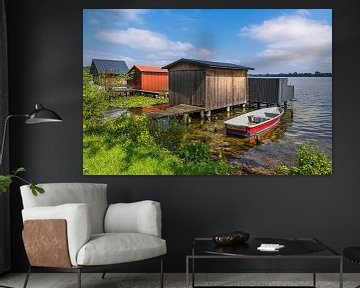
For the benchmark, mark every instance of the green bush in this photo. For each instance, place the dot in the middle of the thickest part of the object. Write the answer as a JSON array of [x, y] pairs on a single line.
[[197, 160], [137, 101], [128, 127], [95, 102], [168, 135], [310, 161], [197, 152]]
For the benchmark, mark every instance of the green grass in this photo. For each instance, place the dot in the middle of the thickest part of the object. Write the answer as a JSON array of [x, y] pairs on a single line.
[[133, 145], [137, 101], [127, 158]]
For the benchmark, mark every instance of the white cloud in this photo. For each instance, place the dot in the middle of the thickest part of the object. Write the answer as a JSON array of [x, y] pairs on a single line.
[[132, 15], [155, 48], [204, 54], [303, 12], [93, 54], [145, 40], [293, 39]]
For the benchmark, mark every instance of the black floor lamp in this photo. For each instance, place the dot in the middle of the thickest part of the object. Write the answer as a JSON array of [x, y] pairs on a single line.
[[39, 115]]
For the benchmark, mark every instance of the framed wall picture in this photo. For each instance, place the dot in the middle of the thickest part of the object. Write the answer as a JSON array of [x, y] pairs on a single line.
[[207, 92]]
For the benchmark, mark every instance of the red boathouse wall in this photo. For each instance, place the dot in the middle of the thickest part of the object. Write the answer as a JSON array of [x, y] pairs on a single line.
[[149, 78]]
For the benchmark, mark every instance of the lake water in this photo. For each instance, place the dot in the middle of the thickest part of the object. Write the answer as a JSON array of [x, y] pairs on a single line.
[[308, 119]]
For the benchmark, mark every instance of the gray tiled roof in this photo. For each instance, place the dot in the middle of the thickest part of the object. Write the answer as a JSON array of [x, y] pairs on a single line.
[[210, 64], [110, 66]]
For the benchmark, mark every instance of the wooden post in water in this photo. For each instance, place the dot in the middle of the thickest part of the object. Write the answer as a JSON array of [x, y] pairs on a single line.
[[208, 114], [258, 105], [244, 107]]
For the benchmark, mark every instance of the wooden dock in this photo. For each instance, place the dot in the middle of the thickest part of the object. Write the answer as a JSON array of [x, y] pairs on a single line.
[[121, 91], [179, 110]]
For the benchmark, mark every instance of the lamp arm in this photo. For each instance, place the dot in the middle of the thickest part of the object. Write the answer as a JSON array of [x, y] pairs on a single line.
[[4, 134]]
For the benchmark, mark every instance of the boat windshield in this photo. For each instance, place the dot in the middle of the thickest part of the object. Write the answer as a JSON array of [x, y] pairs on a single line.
[[257, 119]]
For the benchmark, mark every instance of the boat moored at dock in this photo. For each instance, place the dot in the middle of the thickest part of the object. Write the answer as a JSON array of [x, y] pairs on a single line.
[[254, 122]]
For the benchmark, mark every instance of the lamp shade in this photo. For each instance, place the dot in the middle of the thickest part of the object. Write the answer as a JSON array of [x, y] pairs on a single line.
[[42, 115]]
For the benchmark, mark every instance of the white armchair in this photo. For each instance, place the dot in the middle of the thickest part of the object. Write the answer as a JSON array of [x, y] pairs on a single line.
[[72, 228]]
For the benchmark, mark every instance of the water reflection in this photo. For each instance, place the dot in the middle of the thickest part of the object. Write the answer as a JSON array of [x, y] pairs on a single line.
[[213, 132]]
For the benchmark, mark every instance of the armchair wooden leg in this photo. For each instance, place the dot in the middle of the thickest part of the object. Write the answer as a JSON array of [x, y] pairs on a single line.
[[161, 273], [103, 275], [27, 277], [79, 277]]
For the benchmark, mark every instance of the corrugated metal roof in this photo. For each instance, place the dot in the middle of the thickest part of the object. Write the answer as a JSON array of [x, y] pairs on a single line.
[[210, 64], [143, 68], [110, 66]]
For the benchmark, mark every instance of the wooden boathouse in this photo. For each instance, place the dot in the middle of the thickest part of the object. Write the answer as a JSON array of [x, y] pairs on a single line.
[[149, 78], [211, 85], [107, 71], [272, 91]]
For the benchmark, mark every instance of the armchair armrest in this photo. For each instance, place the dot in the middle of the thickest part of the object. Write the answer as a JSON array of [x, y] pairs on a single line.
[[138, 217], [78, 225]]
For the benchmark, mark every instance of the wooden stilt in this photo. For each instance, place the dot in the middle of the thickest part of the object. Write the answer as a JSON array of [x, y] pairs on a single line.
[[186, 116]]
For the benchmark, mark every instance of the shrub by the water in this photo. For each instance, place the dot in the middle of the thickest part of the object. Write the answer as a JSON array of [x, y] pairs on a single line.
[[310, 161], [197, 160], [95, 101], [169, 134], [194, 152]]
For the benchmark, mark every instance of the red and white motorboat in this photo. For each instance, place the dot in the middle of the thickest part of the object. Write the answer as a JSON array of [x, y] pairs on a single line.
[[254, 122]]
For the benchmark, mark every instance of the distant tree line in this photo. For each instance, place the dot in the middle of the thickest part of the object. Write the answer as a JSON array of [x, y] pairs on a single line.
[[295, 74]]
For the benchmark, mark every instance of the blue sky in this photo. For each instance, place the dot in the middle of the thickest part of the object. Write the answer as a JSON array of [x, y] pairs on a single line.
[[269, 40]]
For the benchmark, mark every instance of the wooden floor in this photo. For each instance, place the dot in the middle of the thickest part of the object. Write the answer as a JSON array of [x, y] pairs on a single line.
[[119, 280], [177, 110]]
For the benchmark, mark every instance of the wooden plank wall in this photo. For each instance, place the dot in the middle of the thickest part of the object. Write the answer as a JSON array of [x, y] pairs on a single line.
[[286, 91], [186, 87], [265, 90], [225, 88], [212, 88], [115, 80], [154, 81], [270, 90]]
